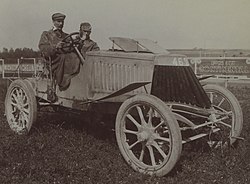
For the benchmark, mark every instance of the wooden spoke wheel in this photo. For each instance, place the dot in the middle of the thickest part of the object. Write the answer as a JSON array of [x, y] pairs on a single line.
[[230, 125], [20, 106], [148, 135]]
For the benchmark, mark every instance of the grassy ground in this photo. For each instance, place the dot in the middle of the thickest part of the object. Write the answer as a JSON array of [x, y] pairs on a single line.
[[65, 149]]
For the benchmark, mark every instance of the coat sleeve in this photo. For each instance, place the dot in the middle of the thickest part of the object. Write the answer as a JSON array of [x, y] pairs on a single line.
[[46, 46], [95, 47], [89, 46]]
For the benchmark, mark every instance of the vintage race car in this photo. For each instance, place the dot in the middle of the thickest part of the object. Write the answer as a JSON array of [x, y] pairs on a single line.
[[154, 95]]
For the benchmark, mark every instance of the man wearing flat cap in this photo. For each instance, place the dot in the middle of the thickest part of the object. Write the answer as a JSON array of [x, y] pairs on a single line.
[[62, 63], [86, 43], [50, 40]]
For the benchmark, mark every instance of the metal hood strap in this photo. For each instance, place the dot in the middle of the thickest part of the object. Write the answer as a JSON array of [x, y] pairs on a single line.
[[124, 90]]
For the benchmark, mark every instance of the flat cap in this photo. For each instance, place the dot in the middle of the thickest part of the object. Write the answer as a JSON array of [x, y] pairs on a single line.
[[58, 16], [85, 26]]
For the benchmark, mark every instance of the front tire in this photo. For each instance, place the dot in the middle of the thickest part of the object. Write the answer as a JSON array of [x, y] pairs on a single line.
[[148, 135], [225, 102], [20, 106]]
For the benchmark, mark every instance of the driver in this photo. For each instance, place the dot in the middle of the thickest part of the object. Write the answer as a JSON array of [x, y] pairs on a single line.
[[50, 41], [64, 64]]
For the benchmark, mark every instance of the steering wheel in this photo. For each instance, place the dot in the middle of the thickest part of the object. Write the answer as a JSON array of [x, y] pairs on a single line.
[[70, 42]]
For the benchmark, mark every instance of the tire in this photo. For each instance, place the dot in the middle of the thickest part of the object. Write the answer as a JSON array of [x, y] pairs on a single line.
[[20, 106], [150, 147], [224, 101]]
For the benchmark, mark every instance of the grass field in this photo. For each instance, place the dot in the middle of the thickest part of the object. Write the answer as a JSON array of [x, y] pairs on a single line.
[[62, 148]]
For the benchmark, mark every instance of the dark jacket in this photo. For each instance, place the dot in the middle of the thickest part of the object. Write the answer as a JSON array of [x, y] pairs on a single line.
[[88, 45], [48, 41], [64, 65]]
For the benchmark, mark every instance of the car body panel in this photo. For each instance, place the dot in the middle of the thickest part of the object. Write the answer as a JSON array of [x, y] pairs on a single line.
[[106, 73]]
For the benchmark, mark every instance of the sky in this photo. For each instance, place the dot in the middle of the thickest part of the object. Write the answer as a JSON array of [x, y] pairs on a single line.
[[174, 24]]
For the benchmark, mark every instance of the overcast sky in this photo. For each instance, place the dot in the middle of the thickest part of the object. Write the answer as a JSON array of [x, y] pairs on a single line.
[[176, 24]]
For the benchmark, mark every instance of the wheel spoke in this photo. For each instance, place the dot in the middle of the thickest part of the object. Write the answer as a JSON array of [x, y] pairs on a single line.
[[161, 123], [15, 97], [229, 112], [13, 103], [24, 122], [141, 115], [159, 150], [21, 118], [132, 145], [151, 152], [219, 108], [18, 94], [24, 96], [26, 117], [150, 114], [14, 109], [222, 100], [16, 116], [162, 138], [142, 152], [24, 105], [130, 131], [15, 92], [223, 110], [26, 110], [211, 97], [225, 124], [21, 94], [133, 121]]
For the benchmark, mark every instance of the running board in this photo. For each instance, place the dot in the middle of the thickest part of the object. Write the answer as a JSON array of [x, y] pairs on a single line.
[[199, 136]]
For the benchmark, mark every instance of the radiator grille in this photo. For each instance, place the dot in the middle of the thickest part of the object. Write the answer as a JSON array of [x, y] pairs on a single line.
[[178, 84]]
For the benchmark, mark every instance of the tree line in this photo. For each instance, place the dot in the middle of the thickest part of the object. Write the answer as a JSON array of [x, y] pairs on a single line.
[[18, 53]]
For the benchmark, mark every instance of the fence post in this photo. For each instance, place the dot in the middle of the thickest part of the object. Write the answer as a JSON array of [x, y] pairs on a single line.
[[18, 67], [226, 83]]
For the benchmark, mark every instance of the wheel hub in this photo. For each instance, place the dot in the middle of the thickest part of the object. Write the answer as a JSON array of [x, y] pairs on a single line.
[[20, 105], [146, 135], [19, 109], [143, 136]]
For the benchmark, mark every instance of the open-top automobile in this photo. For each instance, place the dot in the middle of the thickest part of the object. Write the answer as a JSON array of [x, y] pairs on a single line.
[[155, 96]]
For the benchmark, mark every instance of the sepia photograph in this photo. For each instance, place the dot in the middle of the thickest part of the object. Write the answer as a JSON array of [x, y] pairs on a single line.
[[124, 91]]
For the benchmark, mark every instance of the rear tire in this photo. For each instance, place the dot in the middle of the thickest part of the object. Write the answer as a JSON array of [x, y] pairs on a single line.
[[20, 106]]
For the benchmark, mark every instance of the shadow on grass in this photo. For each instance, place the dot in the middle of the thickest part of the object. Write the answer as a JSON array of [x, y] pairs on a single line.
[[101, 127]]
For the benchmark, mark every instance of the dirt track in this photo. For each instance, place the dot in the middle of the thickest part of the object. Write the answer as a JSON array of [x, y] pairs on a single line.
[[64, 149]]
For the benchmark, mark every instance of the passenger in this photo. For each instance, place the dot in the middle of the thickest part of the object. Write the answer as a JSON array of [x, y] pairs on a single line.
[[64, 64], [86, 44]]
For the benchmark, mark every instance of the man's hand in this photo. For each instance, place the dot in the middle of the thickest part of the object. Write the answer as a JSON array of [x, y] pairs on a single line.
[[59, 45], [83, 35]]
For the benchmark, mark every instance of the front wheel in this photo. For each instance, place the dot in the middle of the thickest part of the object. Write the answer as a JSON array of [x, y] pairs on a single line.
[[148, 135], [224, 102], [20, 106]]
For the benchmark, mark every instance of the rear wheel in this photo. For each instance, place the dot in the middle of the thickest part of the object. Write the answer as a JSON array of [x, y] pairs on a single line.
[[148, 135], [224, 102], [20, 106]]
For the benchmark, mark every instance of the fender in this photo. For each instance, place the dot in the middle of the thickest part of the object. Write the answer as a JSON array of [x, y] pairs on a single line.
[[205, 77]]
